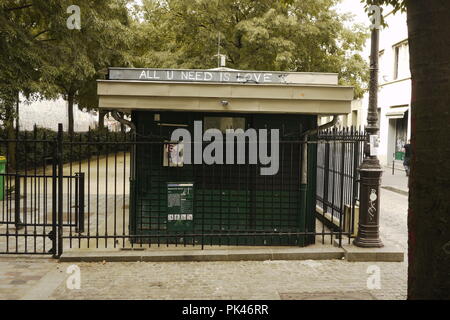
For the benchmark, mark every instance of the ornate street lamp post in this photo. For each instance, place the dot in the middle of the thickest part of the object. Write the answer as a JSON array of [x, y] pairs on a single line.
[[370, 170]]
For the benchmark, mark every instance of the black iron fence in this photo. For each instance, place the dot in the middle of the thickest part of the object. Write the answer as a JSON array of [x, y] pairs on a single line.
[[339, 155], [120, 191]]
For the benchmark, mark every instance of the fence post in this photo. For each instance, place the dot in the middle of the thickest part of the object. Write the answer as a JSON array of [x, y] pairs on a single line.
[[80, 202], [59, 145], [54, 231], [77, 203], [17, 221], [342, 177], [355, 184], [326, 176]]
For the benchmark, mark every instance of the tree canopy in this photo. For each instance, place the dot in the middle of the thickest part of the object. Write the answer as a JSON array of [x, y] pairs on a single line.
[[294, 35], [396, 4], [21, 51], [77, 57], [42, 55]]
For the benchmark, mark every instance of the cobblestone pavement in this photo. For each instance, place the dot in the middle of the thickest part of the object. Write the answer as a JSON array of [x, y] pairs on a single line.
[[19, 275], [230, 280], [46, 279], [394, 219]]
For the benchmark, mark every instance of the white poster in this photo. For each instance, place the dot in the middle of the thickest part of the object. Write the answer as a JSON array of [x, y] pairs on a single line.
[[374, 145], [173, 155]]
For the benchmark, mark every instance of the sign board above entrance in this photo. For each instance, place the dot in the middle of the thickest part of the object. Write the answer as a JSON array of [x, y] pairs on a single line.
[[223, 76]]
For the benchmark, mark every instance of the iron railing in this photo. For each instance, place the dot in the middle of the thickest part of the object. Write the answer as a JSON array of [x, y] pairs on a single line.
[[339, 155], [111, 190]]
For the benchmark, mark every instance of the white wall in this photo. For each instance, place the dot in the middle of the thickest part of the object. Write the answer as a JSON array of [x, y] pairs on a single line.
[[354, 118], [48, 113]]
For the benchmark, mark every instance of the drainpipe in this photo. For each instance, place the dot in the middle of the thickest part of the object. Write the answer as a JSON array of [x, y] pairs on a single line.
[[304, 165]]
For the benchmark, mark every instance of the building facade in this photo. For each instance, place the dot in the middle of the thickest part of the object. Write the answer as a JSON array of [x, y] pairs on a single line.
[[233, 199], [394, 92], [356, 118], [394, 96]]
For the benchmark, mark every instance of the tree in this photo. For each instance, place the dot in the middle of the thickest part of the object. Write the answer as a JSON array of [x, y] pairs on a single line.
[[294, 35], [42, 55], [21, 28], [78, 57], [22, 25], [429, 185]]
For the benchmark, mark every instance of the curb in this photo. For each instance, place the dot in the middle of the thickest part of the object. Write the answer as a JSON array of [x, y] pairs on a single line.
[[328, 253], [385, 254], [388, 253], [396, 190], [348, 252]]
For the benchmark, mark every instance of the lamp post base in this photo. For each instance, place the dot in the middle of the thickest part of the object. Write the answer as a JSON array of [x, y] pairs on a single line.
[[368, 229], [368, 242]]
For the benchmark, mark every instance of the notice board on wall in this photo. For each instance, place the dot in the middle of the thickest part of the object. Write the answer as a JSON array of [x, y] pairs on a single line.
[[180, 205]]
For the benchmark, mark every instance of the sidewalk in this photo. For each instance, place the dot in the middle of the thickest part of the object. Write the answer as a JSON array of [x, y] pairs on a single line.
[[43, 278], [397, 182]]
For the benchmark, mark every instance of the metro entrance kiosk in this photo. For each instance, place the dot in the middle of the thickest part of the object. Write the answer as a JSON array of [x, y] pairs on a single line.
[[221, 203]]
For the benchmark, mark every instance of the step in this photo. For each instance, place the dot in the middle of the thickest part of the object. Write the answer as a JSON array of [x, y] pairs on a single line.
[[315, 252], [388, 253], [185, 255]]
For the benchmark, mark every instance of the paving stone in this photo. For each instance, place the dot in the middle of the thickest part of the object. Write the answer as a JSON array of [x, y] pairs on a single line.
[[355, 295], [308, 279]]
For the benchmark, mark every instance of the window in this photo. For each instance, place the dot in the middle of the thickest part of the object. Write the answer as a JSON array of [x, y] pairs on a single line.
[[397, 57], [401, 132], [401, 61], [382, 74]]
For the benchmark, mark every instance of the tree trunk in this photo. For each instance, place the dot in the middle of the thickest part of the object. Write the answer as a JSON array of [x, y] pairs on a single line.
[[101, 119], [429, 210], [70, 100], [11, 135]]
